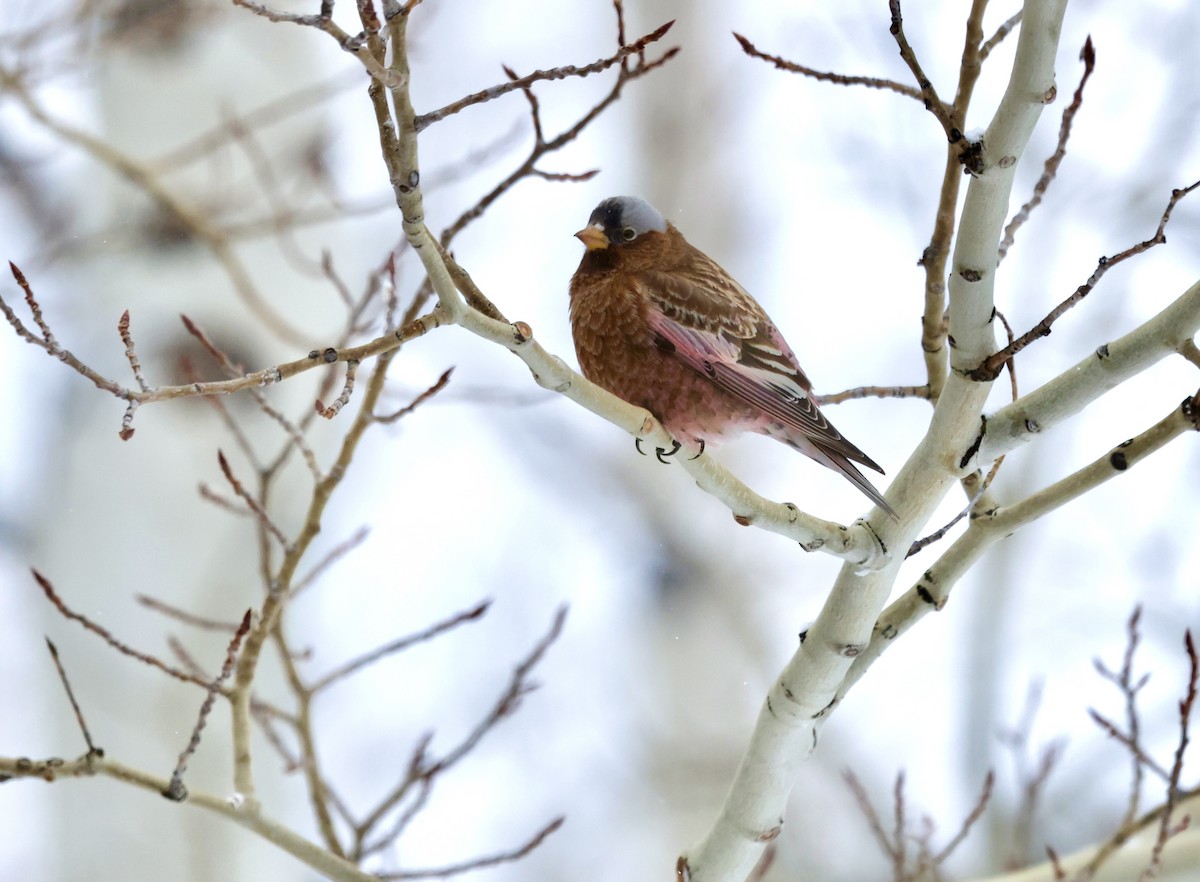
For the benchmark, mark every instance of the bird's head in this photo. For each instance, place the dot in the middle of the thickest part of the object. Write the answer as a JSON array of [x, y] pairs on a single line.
[[624, 228]]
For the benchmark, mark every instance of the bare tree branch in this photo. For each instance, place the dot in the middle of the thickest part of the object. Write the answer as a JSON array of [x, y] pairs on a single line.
[[1088, 56], [825, 77], [990, 368]]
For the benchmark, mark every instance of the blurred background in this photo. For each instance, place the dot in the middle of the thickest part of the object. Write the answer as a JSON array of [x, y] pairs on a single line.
[[818, 199]]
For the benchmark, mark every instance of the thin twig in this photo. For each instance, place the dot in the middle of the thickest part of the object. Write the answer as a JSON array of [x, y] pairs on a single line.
[[335, 554], [175, 790], [926, 541], [985, 795], [1031, 778], [62, 675], [433, 390], [385, 343], [1124, 681], [1165, 827], [558, 73], [632, 68], [34, 307], [1088, 56], [106, 635], [234, 370], [423, 770], [481, 862], [873, 819], [873, 392], [323, 21], [260, 512], [991, 366], [131, 351], [343, 398], [188, 217], [340, 673], [49, 343], [929, 94], [899, 829], [1001, 32], [1162, 814], [825, 77], [179, 615]]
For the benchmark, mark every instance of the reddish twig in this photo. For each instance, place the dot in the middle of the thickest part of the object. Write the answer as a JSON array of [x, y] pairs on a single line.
[[49, 343], [985, 795], [62, 676], [938, 534], [481, 862], [1124, 681], [826, 77], [474, 614], [261, 513], [632, 68], [895, 844], [873, 819], [558, 73], [421, 771], [1161, 815], [1165, 827], [381, 345], [929, 94], [433, 390], [343, 398], [356, 45], [187, 618], [417, 802], [1088, 56], [991, 366], [176, 790], [131, 351], [335, 554], [34, 307], [233, 369], [105, 635]]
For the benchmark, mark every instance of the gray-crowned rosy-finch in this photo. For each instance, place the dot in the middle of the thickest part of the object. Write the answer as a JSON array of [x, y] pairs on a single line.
[[659, 324]]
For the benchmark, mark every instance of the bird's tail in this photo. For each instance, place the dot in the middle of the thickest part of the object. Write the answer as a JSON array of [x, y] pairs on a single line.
[[839, 463]]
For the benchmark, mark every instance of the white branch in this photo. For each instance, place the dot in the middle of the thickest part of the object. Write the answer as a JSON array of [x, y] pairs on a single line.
[[1105, 369], [244, 814], [932, 590], [786, 732]]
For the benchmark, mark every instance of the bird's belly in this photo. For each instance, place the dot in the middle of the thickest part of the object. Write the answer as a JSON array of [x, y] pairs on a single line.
[[687, 403]]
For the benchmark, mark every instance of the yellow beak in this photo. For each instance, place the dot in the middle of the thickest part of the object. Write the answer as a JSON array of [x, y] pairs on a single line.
[[593, 237]]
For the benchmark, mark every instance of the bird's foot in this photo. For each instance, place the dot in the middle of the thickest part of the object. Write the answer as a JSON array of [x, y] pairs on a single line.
[[662, 453]]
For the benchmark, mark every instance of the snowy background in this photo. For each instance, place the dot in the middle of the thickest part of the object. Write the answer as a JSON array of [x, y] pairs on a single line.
[[819, 199]]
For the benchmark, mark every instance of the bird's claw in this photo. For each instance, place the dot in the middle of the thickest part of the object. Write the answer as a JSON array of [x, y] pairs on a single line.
[[662, 453]]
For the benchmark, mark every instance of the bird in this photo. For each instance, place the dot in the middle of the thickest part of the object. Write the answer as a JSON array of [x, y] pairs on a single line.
[[661, 325]]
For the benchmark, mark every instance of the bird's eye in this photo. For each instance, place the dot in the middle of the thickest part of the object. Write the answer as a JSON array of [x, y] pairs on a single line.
[[628, 234]]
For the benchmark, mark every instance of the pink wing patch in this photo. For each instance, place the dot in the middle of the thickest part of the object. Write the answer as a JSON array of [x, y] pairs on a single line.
[[765, 377]]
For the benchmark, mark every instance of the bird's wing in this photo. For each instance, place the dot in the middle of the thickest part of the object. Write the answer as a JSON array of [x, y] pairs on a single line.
[[709, 322]]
